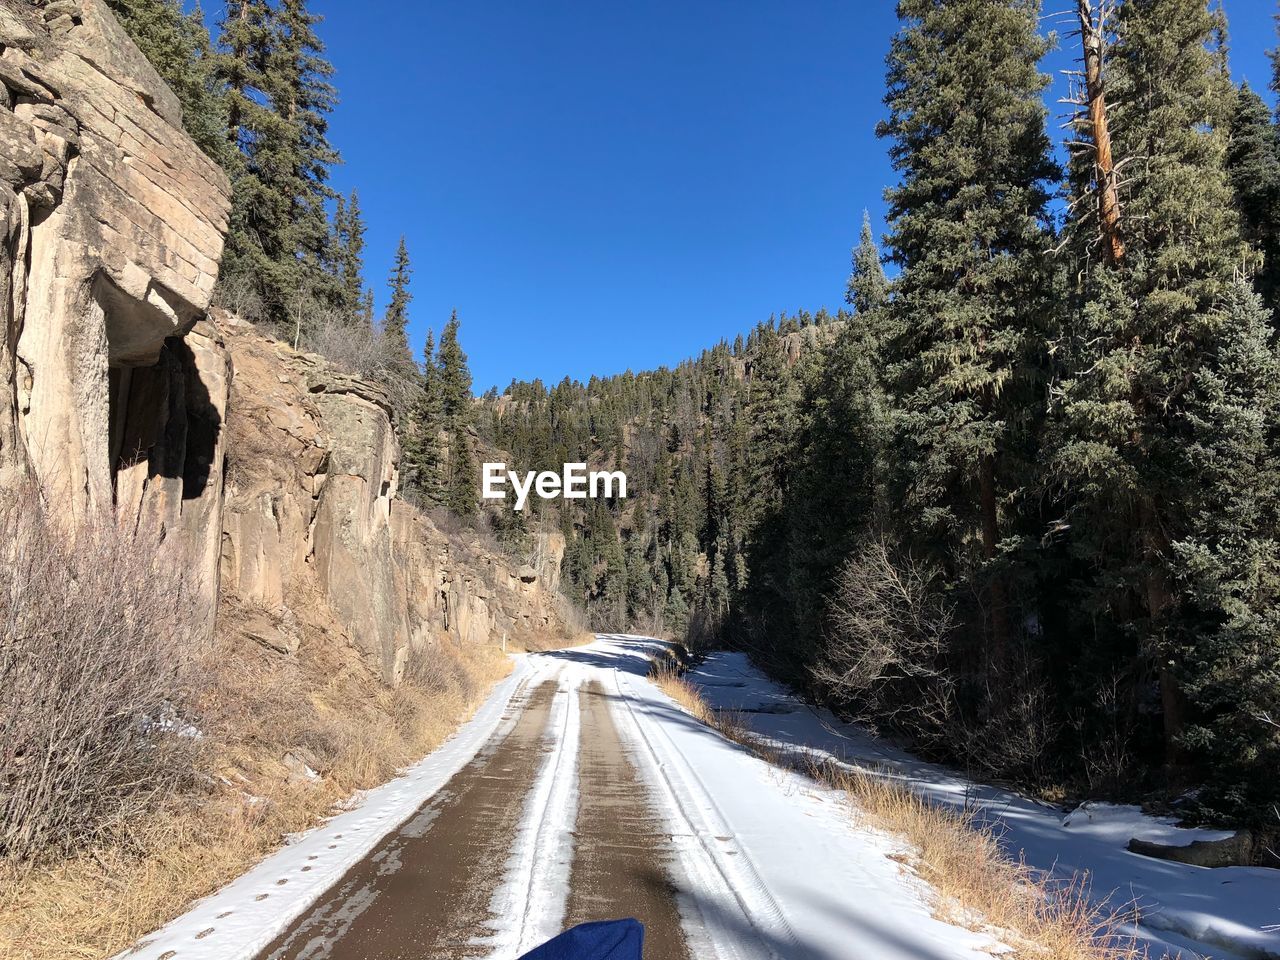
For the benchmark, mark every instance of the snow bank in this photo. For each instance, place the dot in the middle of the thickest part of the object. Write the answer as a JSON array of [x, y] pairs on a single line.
[[1230, 912], [769, 865], [529, 905]]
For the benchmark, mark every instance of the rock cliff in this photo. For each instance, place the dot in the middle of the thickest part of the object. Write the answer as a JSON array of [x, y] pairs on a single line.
[[314, 534], [271, 475], [113, 226]]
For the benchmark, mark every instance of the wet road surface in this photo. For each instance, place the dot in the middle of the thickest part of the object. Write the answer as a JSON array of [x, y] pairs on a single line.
[[427, 890]]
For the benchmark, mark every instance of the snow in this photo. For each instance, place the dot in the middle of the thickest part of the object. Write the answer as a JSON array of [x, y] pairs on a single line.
[[1118, 824], [236, 922], [1229, 912], [770, 865], [530, 904]]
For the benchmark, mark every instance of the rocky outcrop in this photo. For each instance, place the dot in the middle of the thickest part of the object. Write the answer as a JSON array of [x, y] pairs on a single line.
[[269, 475], [315, 539], [1234, 851], [113, 224]]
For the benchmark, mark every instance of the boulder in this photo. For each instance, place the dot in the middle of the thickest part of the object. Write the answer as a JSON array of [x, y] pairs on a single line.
[[1234, 851]]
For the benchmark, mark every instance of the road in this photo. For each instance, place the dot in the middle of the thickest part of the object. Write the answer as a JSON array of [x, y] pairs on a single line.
[[580, 792]]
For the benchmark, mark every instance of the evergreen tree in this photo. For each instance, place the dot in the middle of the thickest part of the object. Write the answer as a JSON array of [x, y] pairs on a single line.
[[395, 322], [1253, 164], [454, 389], [844, 436], [455, 377], [352, 298], [303, 95], [463, 489], [969, 228], [1227, 564], [424, 460], [1146, 324], [179, 47], [868, 287], [278, 98], [256, 250]]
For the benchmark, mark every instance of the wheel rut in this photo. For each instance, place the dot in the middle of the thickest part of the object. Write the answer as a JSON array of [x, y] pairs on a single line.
[[622, 861], [425, 891]]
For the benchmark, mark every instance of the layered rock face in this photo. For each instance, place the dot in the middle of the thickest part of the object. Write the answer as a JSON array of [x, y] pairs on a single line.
[[113, 225], [314, 537], [260, 467]]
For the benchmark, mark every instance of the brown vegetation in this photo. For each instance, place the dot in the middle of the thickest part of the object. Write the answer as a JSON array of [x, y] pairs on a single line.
[[888, 626], [94, 666], [143, 767]]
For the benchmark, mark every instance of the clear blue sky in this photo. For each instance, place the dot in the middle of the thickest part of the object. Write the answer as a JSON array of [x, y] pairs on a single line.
[[599, 185]]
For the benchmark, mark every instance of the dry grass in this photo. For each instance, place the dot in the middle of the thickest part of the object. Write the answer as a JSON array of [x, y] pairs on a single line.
[[977, 885], [728, 723], [259, 709], [972, 882]]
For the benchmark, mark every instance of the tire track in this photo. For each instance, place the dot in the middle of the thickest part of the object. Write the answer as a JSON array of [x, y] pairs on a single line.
[[622, 862], [426, 890], [740, 918]]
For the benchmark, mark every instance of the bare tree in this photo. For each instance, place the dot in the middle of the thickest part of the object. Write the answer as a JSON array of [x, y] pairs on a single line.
[[888, 626], [1092, 127]]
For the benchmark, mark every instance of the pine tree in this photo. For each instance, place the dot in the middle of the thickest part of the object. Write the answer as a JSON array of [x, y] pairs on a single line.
[[1227, 563], [395, 322], [463, 489], [255, 252], [351, 297], [454, 389], [455, 377], [179, 47], [303, 94], [868, 287], [969, 228], [278, 98], [424, 461], [843, 436], [1146, 324], [1253, 164]]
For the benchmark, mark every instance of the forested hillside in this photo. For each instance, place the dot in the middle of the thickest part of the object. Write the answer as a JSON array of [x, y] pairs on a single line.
[[1018, 503]]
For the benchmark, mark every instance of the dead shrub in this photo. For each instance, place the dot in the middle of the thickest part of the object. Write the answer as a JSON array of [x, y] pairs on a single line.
[[1018, 732], [237, 293], [362, 350], [706, 627], [439, 668], [98, 632], [888, 626]]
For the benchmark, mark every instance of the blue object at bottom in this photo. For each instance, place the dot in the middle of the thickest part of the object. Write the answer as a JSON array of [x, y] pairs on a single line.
[[602, 940]]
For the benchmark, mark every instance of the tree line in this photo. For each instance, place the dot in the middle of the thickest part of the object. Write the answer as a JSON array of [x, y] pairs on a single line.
[[1018, 502]]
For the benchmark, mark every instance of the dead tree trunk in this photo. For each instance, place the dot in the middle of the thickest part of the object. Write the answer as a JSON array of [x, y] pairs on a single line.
[[1091, 36]]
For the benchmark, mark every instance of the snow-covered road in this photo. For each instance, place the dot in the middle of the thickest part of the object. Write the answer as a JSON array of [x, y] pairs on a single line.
[[528, 820]]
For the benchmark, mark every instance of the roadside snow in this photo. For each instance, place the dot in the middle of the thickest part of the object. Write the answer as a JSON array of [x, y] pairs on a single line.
[[236, 922], [1230, 912], [770, 866], [1119, 823]]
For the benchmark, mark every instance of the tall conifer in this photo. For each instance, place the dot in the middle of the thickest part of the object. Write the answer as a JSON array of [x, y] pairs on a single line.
[[1147, 324], [969, 228]]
